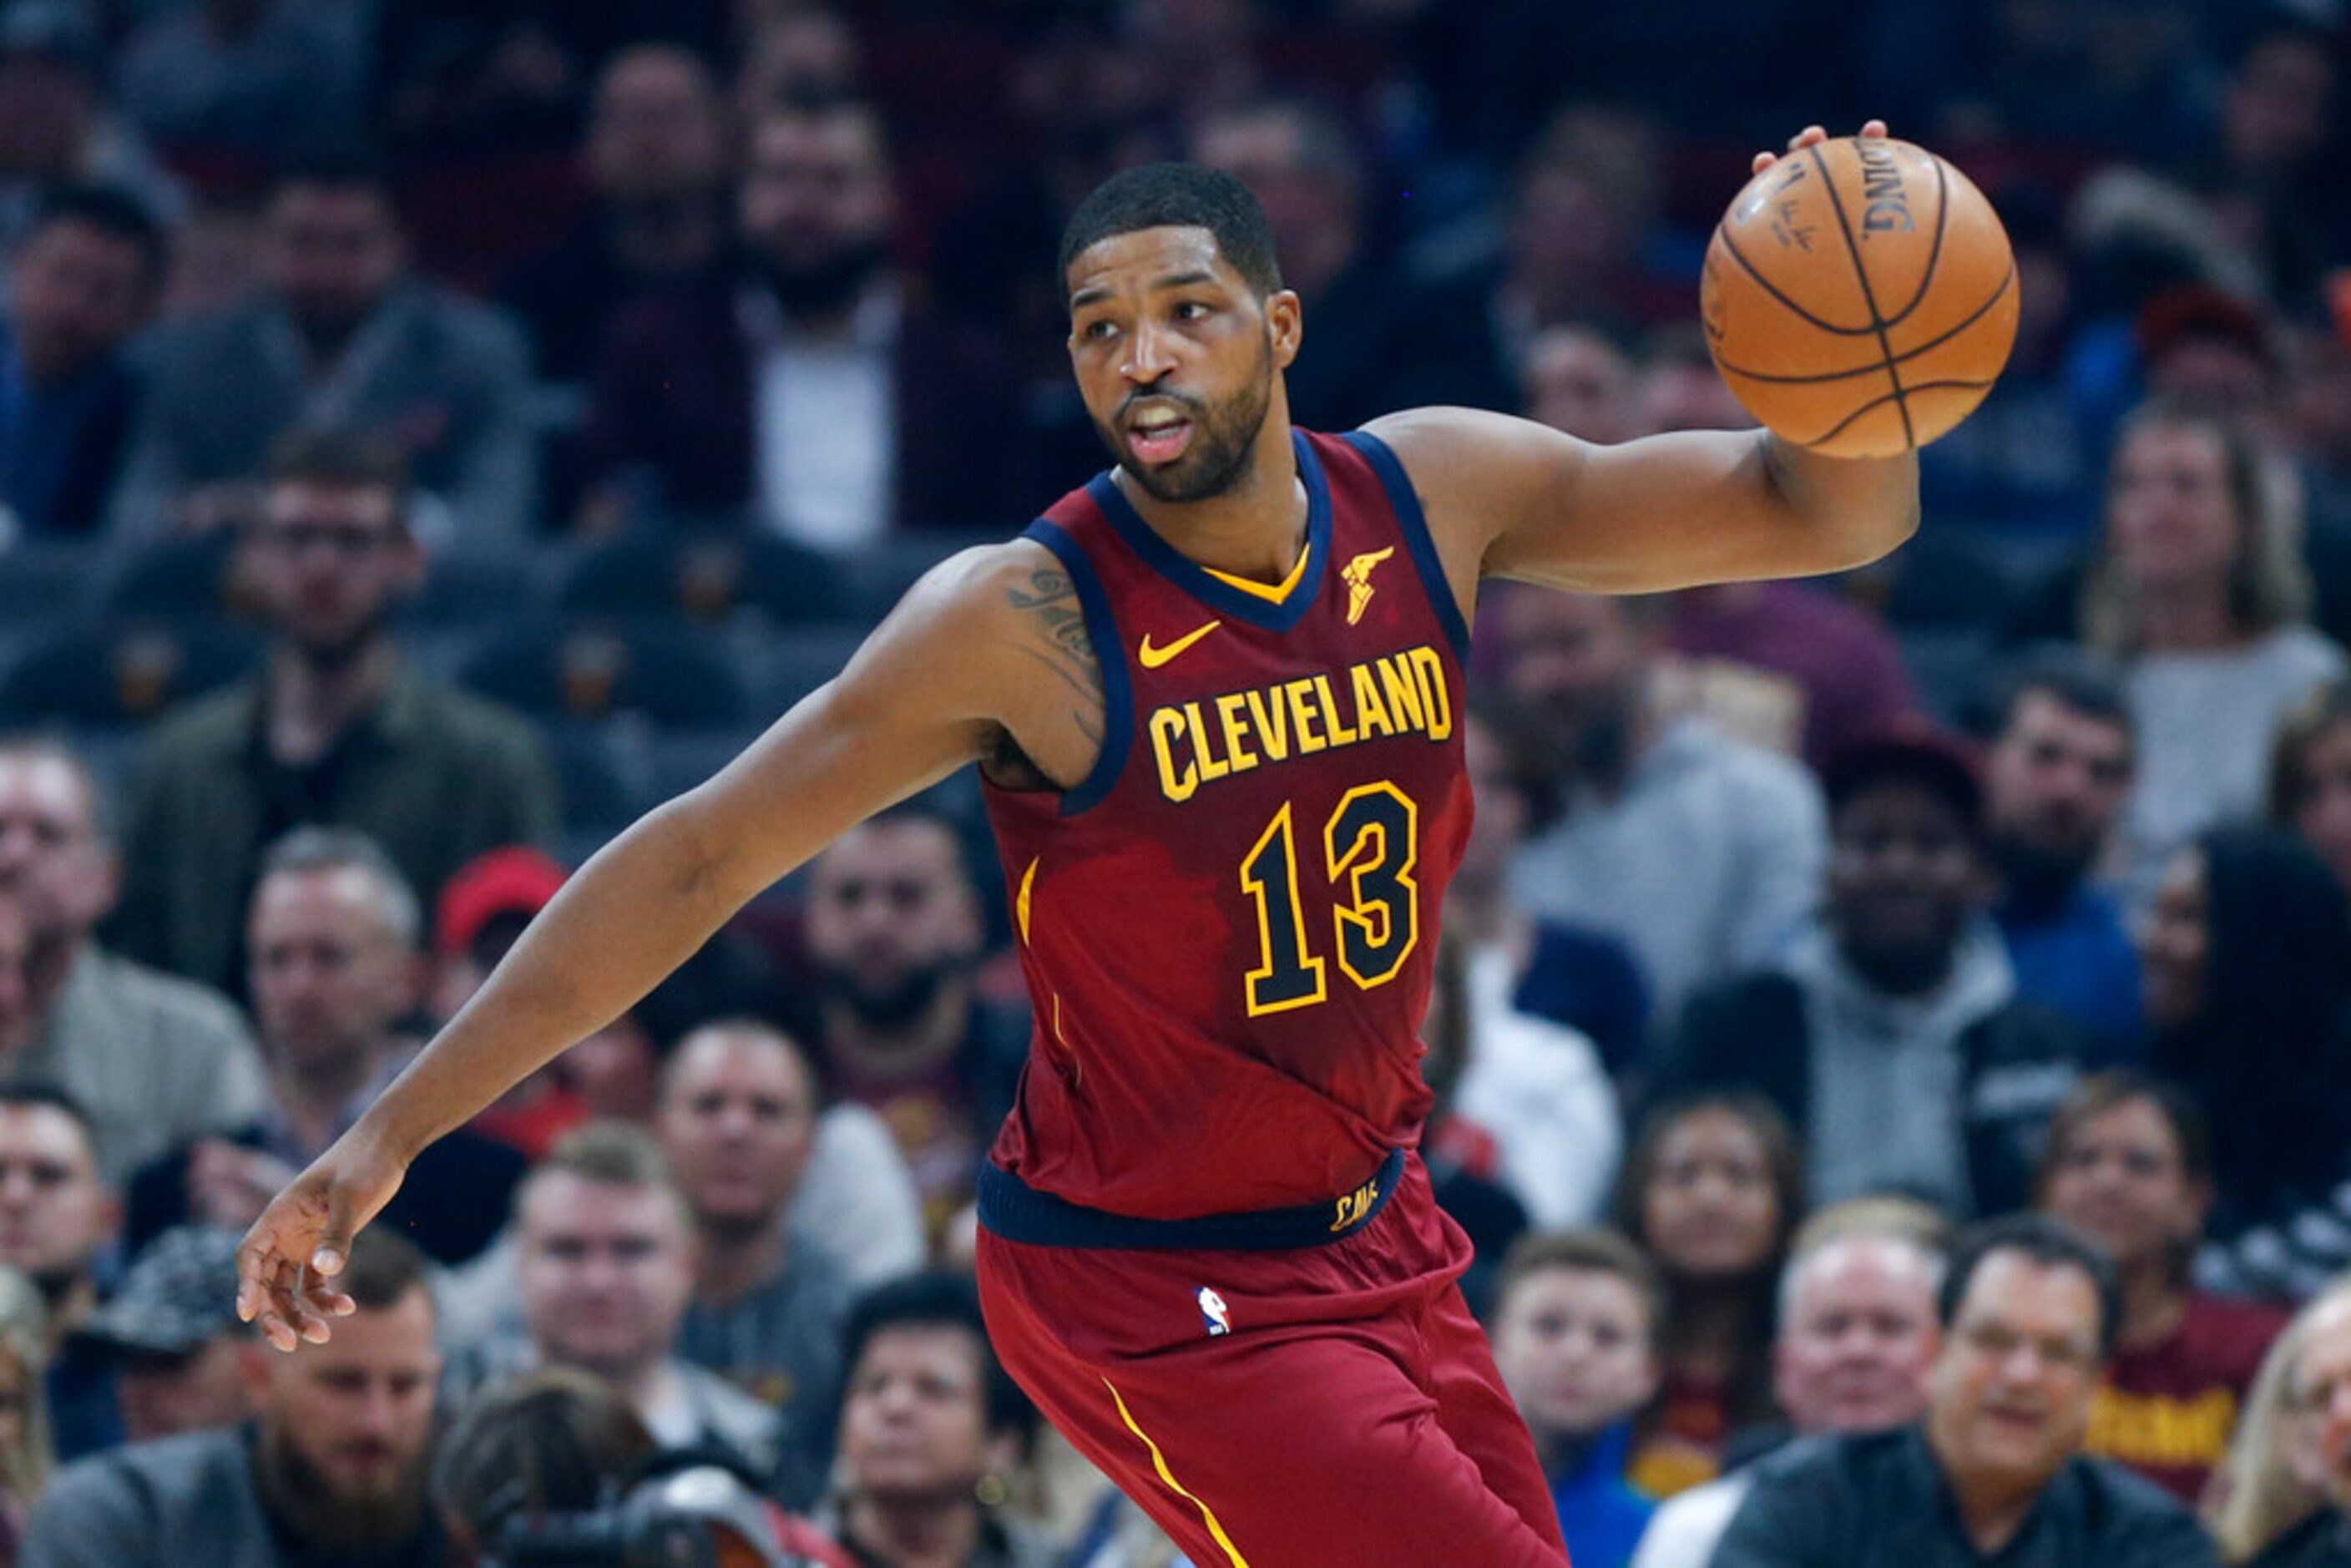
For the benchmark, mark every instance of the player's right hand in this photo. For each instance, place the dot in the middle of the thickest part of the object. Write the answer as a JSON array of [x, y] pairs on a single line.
[[286, 1263]]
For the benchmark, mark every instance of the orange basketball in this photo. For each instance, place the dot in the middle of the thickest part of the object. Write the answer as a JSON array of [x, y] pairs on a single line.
[[1860, 297]]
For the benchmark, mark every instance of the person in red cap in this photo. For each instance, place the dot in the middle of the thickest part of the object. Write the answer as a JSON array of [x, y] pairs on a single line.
[[481, 911], [1898, 1003]]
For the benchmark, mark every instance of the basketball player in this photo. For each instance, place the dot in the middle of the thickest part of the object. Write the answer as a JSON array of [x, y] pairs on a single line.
[[1216, 698]]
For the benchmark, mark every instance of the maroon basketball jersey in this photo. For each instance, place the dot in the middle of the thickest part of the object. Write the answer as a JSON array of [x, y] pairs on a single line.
[[1229, 929]]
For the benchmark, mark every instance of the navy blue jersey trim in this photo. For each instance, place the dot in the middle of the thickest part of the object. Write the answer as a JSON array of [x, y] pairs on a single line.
[[1406, 502], [1118, 695], [1013, 1209], [1186, 574]]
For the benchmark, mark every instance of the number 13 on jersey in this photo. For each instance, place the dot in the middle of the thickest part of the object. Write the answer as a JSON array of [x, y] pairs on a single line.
[[1372, 841]]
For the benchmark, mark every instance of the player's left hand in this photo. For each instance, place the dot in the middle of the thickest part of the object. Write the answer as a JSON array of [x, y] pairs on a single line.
[[1812, 136]]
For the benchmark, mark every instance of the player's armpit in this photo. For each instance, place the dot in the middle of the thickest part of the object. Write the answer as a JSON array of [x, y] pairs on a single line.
[[1509, 498]]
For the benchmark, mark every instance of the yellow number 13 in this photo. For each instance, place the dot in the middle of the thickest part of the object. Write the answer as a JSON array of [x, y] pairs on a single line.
[[1373, 839]]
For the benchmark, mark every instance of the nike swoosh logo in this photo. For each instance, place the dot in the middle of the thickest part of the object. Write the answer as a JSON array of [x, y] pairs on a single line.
[[1153, 657]]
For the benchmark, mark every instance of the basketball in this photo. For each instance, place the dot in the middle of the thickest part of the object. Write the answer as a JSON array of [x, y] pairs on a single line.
[[1859, 296]]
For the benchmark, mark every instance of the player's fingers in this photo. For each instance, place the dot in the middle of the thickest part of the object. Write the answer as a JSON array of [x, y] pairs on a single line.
[[1873, 128], [1762, 161], [326, 1299], [273, 1327], [1810, 135]]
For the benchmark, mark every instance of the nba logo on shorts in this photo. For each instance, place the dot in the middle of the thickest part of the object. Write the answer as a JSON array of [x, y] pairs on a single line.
[[1213, 1310]]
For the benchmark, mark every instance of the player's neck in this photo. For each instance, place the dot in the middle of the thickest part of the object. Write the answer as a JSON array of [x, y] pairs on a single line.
[[1254, 530]]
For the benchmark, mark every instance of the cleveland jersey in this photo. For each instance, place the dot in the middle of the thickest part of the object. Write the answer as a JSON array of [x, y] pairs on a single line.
[[1229, 929]]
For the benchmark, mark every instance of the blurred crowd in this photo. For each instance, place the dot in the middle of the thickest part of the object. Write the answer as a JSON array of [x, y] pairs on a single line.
[[1893, 1036]]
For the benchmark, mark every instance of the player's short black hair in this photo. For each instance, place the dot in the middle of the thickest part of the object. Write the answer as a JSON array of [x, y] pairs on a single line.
[[1178, 196], [2043, 1240], [937, 1299], [112, 212]]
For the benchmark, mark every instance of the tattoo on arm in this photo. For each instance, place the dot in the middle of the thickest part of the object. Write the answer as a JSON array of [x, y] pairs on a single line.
[[1050, 601]]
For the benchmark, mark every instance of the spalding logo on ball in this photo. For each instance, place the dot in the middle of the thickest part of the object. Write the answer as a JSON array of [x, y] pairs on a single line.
[[1860, 297]]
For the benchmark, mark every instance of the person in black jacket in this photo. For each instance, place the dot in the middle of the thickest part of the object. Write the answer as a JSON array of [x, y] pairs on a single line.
[[1891, 1036], [1995, 1472]]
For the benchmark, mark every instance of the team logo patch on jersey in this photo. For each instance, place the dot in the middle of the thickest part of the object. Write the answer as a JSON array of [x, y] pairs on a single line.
[[1357, 575], [1215, 1313]]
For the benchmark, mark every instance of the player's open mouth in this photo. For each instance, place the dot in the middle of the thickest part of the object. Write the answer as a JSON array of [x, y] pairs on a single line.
[[1158, 440]]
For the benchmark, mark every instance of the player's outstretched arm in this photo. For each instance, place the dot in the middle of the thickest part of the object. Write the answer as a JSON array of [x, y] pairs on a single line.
[[923, 697], [1510, 498]]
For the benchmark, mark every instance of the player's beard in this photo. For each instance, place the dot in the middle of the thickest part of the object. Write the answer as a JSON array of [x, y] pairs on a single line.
[[1224, 439], [301, 1497]]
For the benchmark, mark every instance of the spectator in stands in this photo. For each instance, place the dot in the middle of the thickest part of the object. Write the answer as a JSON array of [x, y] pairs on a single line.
[[737, 1120], [654, 157], [894, 934], [1700, 853], [552, 1448], [2269, 181], [819, 396], [342, 332], [84, 280], [1856, 1333], [1554, 971], [2274, 1475], [933, 1433], [1579, 380], [2199, 589], [333, 935], [2310, 778], [179, 1356], [59, 1218], [2247, 952], [1891, 1036], [1579, 1326], [1300, 161], [57, 126], [1711, 1190], [2316, 1375], [26, 1453], [1995, 1470], [153, 1060], [340, 729], [1528, 1103], [476, 918], [2129, 1165], [606, 1265], [1470, 1171], [2056, 780], [333, 1471], [233, 82]]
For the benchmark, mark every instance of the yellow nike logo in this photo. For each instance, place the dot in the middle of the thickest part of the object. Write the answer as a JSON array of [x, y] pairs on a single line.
[[1153, 657], [1357, 575]]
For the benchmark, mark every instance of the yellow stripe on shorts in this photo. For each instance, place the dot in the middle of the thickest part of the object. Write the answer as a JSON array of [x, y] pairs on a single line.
[[1159, 1463]]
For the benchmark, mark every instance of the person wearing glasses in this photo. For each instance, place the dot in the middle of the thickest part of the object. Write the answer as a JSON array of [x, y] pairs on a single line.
[[338, 729], [1995, 1472]]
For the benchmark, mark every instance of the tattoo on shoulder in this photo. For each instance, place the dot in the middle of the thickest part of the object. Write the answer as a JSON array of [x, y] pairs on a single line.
[[1049, 599]]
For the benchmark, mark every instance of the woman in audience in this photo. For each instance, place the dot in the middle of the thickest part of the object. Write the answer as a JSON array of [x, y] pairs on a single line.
[[2130, 1163], [2310, 776], [1712, 1189], [2273, 1479], [2246, 957], [26, 1454], [2200, 588]]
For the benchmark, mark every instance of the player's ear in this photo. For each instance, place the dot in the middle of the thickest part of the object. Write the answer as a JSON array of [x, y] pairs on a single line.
[[1285, 325]]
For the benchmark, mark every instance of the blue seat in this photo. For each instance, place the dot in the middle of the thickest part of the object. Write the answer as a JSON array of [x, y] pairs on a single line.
[[671, 677], [120, 673]]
